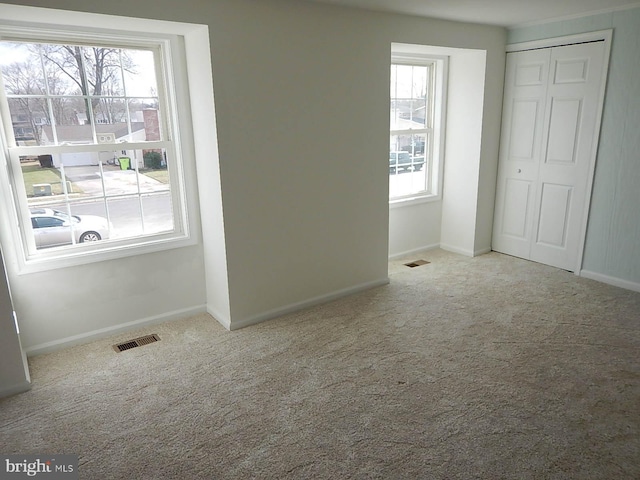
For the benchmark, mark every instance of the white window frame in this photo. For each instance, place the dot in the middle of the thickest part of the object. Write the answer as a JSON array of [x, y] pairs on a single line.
[[176, 113], [434, 130]]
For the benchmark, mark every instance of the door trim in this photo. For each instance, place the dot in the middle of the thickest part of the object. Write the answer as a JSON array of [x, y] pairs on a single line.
[[597, 36], [600, 35]]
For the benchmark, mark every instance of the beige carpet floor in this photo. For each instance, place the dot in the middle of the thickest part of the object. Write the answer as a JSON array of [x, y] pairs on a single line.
[[491, 367]]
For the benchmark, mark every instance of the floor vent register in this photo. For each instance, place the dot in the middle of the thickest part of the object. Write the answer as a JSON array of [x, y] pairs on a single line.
[[136, 342], [416, 263]]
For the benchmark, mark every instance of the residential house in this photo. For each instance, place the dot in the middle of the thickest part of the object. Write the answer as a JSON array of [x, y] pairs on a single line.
[[109, 134]]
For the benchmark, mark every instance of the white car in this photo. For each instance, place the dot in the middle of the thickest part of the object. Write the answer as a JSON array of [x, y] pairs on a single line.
[[52, 227]]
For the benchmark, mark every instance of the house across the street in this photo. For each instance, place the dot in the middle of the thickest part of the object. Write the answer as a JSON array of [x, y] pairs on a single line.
[[109, 134]]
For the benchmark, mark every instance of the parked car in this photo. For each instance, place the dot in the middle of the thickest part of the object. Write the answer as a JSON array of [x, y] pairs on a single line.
[[403, 161], [52, 227]]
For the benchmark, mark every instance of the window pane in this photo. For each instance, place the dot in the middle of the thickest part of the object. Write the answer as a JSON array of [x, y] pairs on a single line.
[[104, 68], [157, 213], [109, 111], [63, 68], [144, 114], [49, 232], [28, 116], [21, 69], [409, 97], [139, 73], [70, 123], [154, 173], [418, 114], [42, 180], [126, 217], [408, 168]]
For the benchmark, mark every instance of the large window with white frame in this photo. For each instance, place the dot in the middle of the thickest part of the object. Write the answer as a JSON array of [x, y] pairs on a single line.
[[416, 126], [91, 141]]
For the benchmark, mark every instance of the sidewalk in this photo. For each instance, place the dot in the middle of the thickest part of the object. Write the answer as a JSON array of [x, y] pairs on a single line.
[[116, 181]]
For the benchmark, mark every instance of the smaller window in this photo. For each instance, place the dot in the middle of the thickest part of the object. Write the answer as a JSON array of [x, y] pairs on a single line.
[[416, 133]]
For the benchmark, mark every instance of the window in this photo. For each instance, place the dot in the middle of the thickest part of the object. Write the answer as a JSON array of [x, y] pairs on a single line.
[[417, 100], [90, 129]]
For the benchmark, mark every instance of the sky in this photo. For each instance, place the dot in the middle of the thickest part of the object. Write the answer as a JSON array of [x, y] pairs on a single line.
[[145, 76]]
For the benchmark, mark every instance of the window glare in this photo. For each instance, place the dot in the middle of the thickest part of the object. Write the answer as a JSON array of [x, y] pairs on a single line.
[[411, 121]]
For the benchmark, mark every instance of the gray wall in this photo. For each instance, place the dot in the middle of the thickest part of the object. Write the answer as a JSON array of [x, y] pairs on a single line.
[[613, 233], [301, 93]]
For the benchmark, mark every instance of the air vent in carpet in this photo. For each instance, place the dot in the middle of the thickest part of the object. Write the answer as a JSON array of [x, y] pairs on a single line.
[[136, 342], [416, 263]]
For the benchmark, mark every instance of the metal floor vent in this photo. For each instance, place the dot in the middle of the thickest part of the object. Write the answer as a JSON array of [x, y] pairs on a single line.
[[416, 263], [136, 342]]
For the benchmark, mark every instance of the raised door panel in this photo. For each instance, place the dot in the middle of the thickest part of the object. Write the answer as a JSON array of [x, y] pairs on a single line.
[[514, 223], [524, 119], [564, 129], [554, 208], [531, 71]]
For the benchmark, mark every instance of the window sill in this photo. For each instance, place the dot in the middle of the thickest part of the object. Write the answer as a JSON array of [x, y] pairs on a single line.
[[406, 202], [40, 264]]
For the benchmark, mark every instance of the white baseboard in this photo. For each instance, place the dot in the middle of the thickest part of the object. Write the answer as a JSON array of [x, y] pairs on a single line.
[[396, 256], [294, 307], [616, 282], [464, 251], [105, 332], [222, 319], [460, 251], [15, 389]]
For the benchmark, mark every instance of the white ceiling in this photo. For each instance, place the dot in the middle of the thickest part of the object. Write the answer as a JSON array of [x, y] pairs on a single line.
[[507, 13]]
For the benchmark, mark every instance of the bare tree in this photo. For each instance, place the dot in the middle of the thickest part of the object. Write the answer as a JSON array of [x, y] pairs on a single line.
[[93, 70], [29, 88], [25, 78], [110, 109]]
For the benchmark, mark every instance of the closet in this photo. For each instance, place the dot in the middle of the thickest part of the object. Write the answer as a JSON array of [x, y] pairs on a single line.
[[551, 117]]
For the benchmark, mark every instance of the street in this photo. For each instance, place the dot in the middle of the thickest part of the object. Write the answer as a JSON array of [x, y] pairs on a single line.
[[129, 216], [125, 213]]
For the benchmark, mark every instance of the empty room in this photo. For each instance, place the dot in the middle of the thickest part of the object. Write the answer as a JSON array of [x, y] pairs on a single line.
[[208, 270]]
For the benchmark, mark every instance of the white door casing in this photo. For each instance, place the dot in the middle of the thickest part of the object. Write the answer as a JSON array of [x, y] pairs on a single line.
[[551, 119]]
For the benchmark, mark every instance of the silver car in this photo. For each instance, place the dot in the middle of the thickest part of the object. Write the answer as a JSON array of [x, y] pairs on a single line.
[[52, 228]]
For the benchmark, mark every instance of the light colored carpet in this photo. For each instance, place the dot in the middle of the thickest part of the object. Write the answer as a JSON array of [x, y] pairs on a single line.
[[491, 367]]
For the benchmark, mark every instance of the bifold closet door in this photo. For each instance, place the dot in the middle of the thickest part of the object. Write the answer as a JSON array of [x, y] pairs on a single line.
[[550, 112]]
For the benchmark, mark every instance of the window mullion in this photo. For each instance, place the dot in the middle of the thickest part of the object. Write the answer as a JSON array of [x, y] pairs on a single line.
[[124, 92], [420, 131], [66, 201], [88, 96], [89, 147], [52, 118]]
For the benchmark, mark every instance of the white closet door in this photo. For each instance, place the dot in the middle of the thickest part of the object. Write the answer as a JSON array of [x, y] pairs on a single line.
[[570, 128], [520, 150], [546, 152]]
